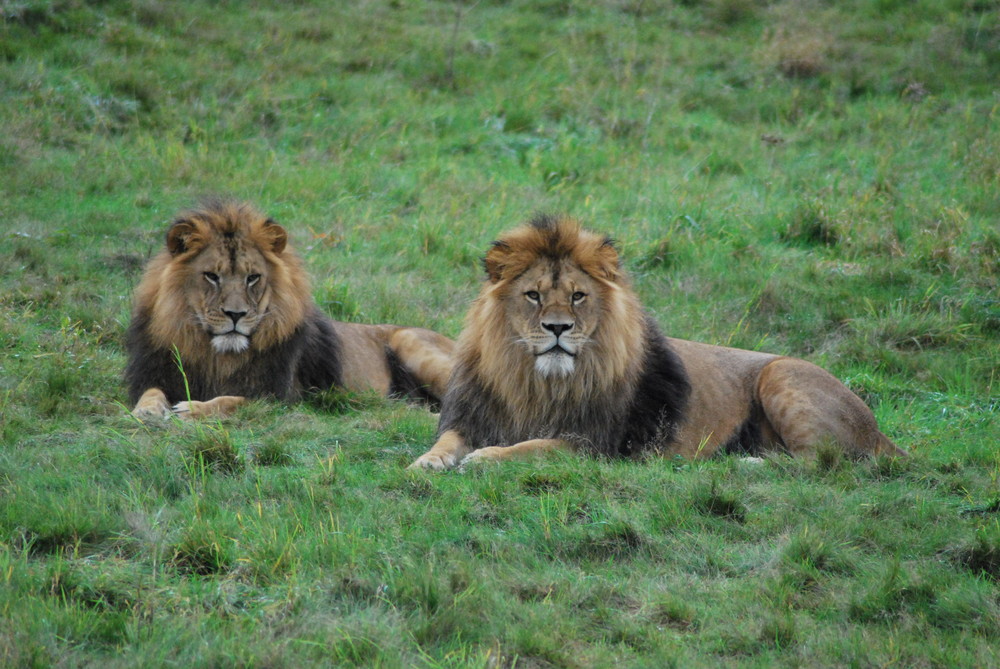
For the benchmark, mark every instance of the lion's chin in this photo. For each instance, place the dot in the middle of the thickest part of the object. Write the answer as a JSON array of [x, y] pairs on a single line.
[[232, 342], [554, 364]]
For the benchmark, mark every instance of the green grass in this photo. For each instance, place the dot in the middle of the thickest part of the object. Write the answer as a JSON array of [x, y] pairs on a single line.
[[813, 179]]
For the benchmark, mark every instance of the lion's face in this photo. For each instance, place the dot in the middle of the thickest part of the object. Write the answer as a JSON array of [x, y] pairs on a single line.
[[226, 295], [554, 308], [227, 262], [554, 283]]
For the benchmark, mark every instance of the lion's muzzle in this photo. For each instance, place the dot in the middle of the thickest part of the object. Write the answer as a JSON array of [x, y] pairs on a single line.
[[557, 359], [231, 342]]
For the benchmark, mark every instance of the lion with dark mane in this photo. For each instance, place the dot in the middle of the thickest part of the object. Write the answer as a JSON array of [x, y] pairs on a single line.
[[558, 353], [224, 313]]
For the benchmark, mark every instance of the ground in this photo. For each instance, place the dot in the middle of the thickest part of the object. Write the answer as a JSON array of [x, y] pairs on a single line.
[[812, 179]]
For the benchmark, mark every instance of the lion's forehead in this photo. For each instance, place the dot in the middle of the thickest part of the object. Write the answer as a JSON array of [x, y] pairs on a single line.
[[236, 257], [557, 276]]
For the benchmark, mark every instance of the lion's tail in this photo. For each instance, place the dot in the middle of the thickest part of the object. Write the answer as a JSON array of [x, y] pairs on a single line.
[[885, 446]]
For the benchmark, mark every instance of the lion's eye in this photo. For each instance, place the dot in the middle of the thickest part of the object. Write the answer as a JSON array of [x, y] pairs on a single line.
[[578, 297], [252, 279], [212, 278], [533, 296]]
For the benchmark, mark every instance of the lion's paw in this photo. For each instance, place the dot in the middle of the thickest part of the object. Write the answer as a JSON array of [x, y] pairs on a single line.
[[487, 453], [151, 406], [145, 414], [434, 462], [187, 410]]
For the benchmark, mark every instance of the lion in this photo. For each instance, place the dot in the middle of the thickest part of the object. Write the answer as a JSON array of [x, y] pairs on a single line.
[[224, 314], [558, 353]]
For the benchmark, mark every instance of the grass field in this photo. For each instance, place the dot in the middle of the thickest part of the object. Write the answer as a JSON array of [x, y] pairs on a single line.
[[807, 178]]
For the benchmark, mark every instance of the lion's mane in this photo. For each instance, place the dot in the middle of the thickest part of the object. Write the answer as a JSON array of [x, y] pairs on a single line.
[[163, 327], [628, 392]]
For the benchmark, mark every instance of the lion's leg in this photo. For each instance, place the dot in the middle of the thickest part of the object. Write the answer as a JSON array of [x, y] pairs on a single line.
[[808, 407], [152, 404], [520, 450], [426, 354], [220, 406], [445, 453]]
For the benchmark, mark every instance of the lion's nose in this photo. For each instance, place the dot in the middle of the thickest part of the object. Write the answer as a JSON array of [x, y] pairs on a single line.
[[235, 315], [557, 328]]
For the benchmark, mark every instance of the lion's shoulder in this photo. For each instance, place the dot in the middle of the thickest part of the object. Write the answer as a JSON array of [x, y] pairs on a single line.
[[318, 352], [660, 396]]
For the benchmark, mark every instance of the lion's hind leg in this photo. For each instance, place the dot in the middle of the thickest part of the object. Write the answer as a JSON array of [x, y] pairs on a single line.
[[808, 407], [426, 354]]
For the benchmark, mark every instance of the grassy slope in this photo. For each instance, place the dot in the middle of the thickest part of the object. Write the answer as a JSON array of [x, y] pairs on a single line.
[[819, 180]]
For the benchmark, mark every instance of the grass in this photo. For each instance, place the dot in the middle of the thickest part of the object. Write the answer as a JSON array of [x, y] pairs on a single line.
[[814, 179]]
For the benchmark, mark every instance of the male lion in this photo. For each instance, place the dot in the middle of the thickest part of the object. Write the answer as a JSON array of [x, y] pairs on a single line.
[[230, 298], [558, 353]]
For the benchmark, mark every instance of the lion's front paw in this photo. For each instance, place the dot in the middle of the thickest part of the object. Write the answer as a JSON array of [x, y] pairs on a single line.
[[188, 410], [149, 413], [152, 405], [483, 454], [433, 461]]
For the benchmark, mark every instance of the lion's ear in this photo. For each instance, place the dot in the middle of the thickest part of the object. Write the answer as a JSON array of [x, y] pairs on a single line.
[[275, 235], [183, 236], [607, 257], [495, 260]]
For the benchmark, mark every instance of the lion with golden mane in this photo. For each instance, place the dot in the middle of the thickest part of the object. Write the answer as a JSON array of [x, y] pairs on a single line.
[[224, 313], [558, 353]]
